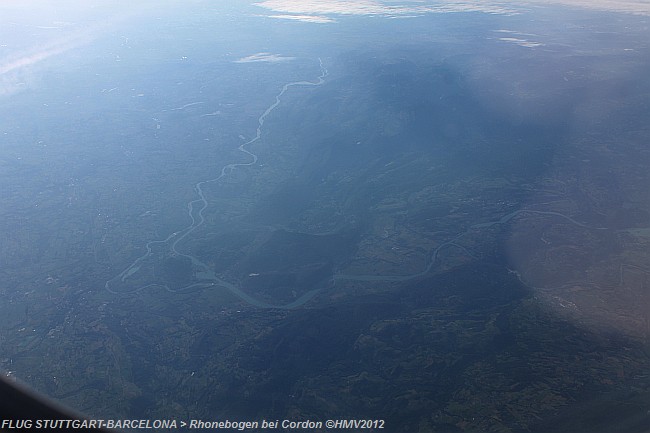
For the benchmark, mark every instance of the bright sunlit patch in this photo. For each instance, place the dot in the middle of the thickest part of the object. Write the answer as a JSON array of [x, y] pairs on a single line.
[[35, 37], [14, 72], [264, 57]]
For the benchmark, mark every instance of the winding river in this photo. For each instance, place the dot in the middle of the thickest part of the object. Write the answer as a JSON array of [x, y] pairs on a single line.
[[195, 212]]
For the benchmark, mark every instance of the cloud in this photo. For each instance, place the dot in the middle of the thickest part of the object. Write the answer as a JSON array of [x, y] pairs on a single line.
[[637, 7], [264, 57], [380, 8], [518, 40], [406, 8], [522, 42], [306, 18]]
